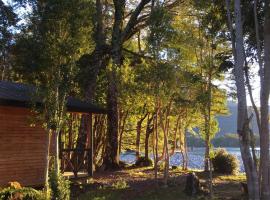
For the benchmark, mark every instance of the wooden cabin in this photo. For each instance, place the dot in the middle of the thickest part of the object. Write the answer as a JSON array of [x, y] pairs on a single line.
[[23, 145]]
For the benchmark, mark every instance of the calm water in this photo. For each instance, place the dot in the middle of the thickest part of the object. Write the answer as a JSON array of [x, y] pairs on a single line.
[[195, 158]]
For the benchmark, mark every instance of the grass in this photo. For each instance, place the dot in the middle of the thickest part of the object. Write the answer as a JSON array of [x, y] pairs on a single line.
[[139, 184], [170, 193]]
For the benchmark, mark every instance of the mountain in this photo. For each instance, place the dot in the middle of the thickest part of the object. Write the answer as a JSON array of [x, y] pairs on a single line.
[[228, 124]]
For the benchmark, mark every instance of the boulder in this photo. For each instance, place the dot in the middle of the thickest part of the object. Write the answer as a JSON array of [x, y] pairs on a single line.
[[193, 186]]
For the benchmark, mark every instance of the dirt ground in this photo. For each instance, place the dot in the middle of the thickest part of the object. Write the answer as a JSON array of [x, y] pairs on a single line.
[[140, 183]]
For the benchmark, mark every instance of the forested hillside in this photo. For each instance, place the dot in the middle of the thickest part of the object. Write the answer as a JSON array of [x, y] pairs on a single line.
[[227, 124]]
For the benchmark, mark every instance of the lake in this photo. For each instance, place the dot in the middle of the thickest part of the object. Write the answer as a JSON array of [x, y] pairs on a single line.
[[195, 158]]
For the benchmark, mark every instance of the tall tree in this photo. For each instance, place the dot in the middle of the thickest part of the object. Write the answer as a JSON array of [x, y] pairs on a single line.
[[8, 21], [242, 117], [46, 56], [265, 90], [123, 28]]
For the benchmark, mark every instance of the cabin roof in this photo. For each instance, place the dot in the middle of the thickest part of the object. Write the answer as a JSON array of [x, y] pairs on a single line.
[[21, 95]]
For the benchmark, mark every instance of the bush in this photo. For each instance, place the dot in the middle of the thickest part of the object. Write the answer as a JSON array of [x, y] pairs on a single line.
[[120, 184], [21, 194], [143, 162], [225, 163], [60, 187]]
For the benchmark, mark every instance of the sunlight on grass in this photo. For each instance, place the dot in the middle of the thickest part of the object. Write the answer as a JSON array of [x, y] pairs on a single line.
[[120, 184], [101, 194], [238, 177], [119, 189]]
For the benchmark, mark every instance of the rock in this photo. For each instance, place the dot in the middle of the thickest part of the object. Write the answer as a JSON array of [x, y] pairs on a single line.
[[193, 186], [174, 167]]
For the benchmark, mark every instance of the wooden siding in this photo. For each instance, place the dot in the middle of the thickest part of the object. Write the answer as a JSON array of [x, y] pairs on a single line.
[[22, 148]]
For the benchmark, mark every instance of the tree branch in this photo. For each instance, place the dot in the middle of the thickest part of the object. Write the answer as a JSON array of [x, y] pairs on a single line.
[[133, 19]]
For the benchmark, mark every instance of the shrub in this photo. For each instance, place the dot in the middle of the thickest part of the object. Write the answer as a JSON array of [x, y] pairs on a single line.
[[144, 162], [21, 194], [120, 184], [60, 187], [225, 163]]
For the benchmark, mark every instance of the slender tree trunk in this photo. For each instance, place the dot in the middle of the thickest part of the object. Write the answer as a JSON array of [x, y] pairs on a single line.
[[265, 89], [260, 61], [122, 129], [55, 134], [175, 135], [165, 129], [185, 150], [208, 121], [47, 166], [82, 138], [207, 142], [206, 153], [138, 138], [242, 118], [149, 130], [167, 157], [156, 143]]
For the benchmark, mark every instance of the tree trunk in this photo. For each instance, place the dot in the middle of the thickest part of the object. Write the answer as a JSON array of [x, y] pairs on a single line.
[[208, 121], [122, 124], [185, 150], [138, 138], [55, 134], [47, 164], [149, 130], [265, 88], [207, 142], [156, 144], [112, 151], [82, 138], [242, 118], [95, 62], [111, 159], [206, 153]]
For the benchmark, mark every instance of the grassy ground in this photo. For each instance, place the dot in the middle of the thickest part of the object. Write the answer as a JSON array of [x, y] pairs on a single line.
[[139, 184]]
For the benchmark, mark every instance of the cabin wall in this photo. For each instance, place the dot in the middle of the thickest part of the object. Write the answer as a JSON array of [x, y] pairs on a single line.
[[22, 148]]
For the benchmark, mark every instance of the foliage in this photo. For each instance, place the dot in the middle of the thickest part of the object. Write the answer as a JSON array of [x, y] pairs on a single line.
[[8, 21], [225, 163], [120, 184], [22, 194], [59, 186]]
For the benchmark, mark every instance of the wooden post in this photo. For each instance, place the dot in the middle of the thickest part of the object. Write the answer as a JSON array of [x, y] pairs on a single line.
[[91, 147]]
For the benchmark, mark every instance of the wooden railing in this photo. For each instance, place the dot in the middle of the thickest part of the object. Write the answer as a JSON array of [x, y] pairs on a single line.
[[76, 160]]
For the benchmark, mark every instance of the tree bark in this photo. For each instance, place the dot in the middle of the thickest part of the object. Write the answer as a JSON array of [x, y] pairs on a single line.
[[55, 134], [112, 152], [138, 135], [138, 138], [149, 130], [265, 89], [47, 164], [122, 128], [111, 159], [242, 118]]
